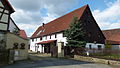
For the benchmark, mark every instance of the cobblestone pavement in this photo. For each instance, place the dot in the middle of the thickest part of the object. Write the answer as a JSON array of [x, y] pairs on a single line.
[[46, 62]]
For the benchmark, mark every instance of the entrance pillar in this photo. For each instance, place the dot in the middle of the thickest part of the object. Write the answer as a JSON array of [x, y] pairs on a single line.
[[60, 49]]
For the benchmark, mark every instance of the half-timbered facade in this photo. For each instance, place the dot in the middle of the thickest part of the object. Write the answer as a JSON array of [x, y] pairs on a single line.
[[52, 33], [11, 36], [5, 12]]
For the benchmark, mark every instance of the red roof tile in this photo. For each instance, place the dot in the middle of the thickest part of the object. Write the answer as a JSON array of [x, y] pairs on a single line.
[[7, 2], [112, 36], [23, 34], [59, 24]]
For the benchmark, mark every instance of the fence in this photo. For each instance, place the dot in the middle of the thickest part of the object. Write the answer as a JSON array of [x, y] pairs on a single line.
[[98, 53]]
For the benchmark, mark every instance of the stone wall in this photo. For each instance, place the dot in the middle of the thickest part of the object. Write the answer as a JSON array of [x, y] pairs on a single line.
[[96, 60], [20, 54]]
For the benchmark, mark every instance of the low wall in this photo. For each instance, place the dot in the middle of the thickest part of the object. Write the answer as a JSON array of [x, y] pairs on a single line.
[[20, 55], [96, 60]]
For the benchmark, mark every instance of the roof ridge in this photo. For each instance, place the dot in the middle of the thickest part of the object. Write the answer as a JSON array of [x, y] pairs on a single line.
[[64, 21], [111, 29], [67, 14]]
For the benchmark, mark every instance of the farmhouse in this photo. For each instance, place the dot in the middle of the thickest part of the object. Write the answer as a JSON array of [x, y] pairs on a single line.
[[113, 38], [11, 37], [52, 33]]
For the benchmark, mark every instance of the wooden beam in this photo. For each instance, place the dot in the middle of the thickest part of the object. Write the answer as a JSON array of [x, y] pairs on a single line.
[[8, 22], [5, 13], [2, 13], [3, 22]]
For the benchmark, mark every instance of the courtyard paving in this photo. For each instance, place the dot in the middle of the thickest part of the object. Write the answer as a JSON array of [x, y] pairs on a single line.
[[38, 61]]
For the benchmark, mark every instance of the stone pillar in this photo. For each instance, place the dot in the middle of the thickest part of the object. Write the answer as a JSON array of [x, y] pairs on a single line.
[[11, 56], [60, 49]]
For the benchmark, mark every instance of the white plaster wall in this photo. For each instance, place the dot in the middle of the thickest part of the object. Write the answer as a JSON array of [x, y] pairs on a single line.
[[48, 37], [53, 37], [33, 43], [93, 45], [116, 47], [59, 38]]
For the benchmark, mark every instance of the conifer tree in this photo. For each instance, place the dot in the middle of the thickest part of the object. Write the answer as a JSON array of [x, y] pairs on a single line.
[[75, 34]]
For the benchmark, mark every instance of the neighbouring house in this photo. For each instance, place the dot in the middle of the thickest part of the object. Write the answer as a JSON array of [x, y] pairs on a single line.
[[52, 33], [11, 37], [23, 34], [112, 38]]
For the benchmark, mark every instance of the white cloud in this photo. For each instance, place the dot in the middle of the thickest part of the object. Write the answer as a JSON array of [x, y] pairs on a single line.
[[109, 17], [49, 18], [28, 15], [28, 27]]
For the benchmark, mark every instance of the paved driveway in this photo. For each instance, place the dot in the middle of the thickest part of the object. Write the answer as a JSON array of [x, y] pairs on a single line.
[[55, 63]]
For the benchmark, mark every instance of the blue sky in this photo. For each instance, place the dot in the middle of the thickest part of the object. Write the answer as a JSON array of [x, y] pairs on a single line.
[[31, 14]]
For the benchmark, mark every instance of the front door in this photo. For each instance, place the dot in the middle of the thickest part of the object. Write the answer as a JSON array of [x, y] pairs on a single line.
[[47, 48]]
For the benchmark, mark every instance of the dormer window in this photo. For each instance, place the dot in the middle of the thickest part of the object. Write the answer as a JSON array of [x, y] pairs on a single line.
[[43, 30], [39, 32]]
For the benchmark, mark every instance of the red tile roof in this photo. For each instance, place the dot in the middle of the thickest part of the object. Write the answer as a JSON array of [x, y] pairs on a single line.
[[112, 36], [6, 1], [22, 33], [59, 24]]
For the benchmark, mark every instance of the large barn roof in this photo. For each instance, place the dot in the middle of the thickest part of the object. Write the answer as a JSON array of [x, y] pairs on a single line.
[[112, 36], [60, 24]]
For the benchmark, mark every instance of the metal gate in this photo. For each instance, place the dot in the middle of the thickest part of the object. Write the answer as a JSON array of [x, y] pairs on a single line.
[[54, 51], [4, 56]]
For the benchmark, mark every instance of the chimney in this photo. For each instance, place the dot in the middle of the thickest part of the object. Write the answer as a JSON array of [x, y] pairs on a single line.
[[43, 24]]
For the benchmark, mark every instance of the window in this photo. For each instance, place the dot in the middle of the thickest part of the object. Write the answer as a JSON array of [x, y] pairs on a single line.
[[50, 36], [3, 26], [90, 47], [63, 34], [36, 39], [5, 18], [99, 47], [55, 35], [32, 40], [46, 37], [40, 38]]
